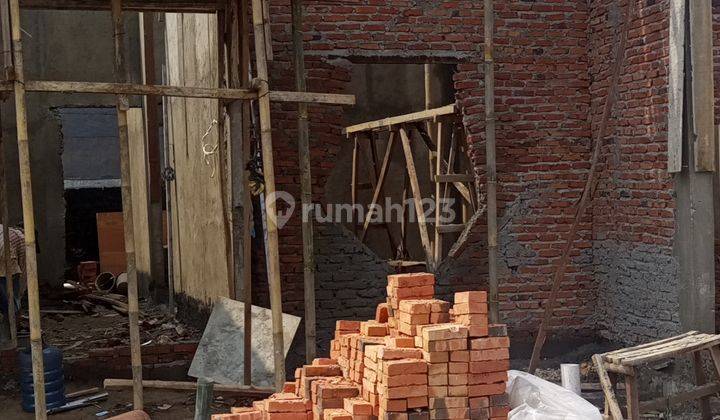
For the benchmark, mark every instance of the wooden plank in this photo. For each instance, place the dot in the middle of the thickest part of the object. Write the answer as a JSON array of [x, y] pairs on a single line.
[[701, 47], [200, 250], [249, 391], [353, 179], [181, 91], [660, 348], [417, 198], [454, 228], [646, 345], [180, 6], [608, 388], [387, 123], [452, 178], [439, 144], [676, 88], [675, 351], [312, 97], [379, 187], [154, 173], [273, 256], [405, 264], [305, 181], [122, 75], [140, 197]]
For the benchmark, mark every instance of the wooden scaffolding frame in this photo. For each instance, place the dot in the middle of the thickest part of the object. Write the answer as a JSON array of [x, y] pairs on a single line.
[[233, 27], [441, 131]]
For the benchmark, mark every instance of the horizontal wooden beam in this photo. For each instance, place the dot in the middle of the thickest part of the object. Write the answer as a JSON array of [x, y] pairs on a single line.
[[454, 178], [451, 228], [312, 98], [180, 6], [404, 264], [178, 91], [187, 386], [387, 123]]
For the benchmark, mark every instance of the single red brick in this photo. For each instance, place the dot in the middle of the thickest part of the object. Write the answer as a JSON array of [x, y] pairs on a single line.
[[474, 296], [490, 366], [358, 406], [486, 390], [470, 308], [489, 343], [487, 378], [411, 280], [490, 354]]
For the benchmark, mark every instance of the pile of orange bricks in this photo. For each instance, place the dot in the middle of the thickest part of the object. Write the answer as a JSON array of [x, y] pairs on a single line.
[[421, 358]]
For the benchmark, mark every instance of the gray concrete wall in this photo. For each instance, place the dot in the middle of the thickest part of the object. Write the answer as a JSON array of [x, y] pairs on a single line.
[[59, 45]]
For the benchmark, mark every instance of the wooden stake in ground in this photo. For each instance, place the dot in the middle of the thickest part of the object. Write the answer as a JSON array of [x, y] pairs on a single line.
[[491, 165], [590, 185], [305, 183], [28, 214], [121, 75], [273, 257]]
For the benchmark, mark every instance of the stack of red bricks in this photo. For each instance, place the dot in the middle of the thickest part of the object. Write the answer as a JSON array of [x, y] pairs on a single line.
[[417, 360]]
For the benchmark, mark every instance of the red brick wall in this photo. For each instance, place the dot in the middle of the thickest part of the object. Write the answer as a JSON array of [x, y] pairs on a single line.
[[543, 129], [633, 213]]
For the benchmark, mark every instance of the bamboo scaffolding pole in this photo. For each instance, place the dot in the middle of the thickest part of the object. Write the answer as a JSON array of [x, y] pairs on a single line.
[[273, 257], [491, 170], [305, 184], [179, 91], [36, 346], [10, 286], [121, 74]]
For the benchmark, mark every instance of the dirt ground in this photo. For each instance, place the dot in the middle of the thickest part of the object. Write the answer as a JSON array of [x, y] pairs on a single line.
[[160, 404]]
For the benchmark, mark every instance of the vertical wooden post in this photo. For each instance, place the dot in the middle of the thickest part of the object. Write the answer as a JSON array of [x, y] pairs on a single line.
[[438, 200], [273, 257], [10, 287], [417, 199], [247, 199], [305, 183], [491, 169], [240, 124], [121, 75], [152, 126], [28, 213]]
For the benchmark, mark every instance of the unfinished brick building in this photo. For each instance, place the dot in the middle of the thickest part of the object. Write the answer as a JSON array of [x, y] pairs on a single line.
[[553, 67]]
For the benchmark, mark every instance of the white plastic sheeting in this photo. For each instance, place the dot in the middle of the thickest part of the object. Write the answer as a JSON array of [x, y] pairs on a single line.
[[532, 398]]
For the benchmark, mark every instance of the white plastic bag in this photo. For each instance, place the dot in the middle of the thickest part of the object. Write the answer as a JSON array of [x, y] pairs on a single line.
[[532, 398]]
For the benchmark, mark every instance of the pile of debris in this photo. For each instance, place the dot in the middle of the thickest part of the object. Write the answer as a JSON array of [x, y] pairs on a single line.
[[418, 359]]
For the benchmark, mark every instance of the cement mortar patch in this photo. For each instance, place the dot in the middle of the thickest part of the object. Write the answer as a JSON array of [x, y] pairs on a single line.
[[638, 292]]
